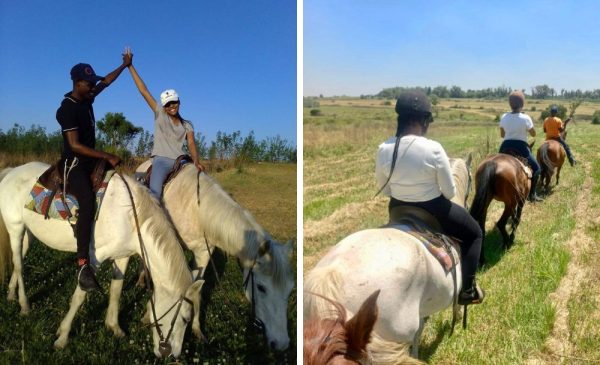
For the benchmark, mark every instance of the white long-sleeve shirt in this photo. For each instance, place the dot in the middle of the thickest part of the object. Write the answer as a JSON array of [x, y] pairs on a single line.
[[422, 170]]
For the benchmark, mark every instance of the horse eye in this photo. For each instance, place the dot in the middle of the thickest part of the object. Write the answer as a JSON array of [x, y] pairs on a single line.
[[261, 288]]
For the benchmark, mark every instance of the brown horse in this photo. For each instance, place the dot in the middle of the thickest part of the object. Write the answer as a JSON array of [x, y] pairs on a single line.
[[551, 156], [501, 177], [335, 341]]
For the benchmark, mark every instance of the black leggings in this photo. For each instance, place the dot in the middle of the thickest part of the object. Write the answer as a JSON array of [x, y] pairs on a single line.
[[456, 222], [80, 185]]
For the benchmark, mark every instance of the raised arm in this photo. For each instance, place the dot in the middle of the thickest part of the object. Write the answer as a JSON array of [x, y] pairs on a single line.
[[140, 85]]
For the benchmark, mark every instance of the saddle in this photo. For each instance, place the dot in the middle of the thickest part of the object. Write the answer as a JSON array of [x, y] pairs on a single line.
[[523, 162], [52, 178], [425, 227], [180, 162], [48, 198]]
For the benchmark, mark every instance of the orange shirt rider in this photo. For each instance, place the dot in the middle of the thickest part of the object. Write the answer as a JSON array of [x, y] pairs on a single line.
[[552, 127]]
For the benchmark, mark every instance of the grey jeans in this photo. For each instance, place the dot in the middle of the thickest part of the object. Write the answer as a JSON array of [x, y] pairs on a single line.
[[161, 166]]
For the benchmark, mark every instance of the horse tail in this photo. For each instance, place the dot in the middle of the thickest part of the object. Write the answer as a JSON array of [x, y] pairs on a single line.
[[389, 352], [484, 181], [5, 249], [325, 281], [546, 161]]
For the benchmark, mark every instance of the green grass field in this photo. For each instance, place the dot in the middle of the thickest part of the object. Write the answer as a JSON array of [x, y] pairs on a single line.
[[268, 191], [520, 321]]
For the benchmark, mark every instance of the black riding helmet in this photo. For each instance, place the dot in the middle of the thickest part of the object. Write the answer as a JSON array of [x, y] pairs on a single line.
[[413, 105]]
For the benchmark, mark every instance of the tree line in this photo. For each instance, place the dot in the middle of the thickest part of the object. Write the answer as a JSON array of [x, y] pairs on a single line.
[[115, 134], [536, 92]]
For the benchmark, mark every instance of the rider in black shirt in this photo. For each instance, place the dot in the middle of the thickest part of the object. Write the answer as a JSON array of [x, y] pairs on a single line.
[[76, 118]]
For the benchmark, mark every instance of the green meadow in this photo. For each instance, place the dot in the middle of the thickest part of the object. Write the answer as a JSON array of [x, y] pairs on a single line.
[[543, 297]]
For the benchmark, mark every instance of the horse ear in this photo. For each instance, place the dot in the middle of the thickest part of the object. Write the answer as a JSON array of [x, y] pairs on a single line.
[[469, 159], [359, 328], [194, 289]]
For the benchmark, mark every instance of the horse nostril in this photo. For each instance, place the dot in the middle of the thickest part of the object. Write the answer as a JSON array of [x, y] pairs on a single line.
[[273, 345]]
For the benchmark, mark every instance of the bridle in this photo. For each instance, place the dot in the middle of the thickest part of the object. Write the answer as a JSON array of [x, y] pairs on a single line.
[[257, 322], [164, 347]]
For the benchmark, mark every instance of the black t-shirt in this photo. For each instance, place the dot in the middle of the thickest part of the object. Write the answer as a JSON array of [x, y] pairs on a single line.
[[74, 114]]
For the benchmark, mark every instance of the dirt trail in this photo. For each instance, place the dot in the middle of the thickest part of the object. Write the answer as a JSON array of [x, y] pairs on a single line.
[[558, 348]]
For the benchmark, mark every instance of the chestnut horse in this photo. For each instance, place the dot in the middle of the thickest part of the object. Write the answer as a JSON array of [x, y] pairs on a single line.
[[551, 156], [336, 341], [501, 177]]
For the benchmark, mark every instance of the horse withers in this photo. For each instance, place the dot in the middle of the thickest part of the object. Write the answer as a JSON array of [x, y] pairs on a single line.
[[413, 284], [551, 157], [115, 237]]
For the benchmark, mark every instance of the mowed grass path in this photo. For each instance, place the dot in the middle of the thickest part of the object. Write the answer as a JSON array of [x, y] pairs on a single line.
[[268, 191], [515, 323]]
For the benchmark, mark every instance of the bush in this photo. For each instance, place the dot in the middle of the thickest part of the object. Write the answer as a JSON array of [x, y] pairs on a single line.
[[596, 117], [310, 103], [315, 112], [387, 102], [562, 112]]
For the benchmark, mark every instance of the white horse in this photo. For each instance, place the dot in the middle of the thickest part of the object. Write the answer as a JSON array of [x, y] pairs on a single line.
[[205, 216], [413, 283], [115, 237]]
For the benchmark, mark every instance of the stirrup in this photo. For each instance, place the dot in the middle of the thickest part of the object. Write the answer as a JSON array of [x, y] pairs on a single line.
[[474, 295]]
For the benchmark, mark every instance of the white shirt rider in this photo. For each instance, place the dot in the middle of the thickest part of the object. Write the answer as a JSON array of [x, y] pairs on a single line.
[[422, 170]]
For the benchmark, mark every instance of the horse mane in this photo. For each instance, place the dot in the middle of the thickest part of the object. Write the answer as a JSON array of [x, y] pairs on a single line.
[[325, 338], [227, 224], [325, 282], [153, 220]]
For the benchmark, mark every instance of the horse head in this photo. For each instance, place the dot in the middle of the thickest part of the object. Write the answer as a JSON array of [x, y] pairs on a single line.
[[171, 317], [337, 341], [268, 284]]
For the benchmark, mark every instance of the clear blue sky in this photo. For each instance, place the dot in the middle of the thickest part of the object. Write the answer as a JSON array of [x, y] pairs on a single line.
[[232, 62], [362, 46]]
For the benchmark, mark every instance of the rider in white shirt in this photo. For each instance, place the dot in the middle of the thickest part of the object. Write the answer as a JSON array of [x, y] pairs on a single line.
[[413, 170]]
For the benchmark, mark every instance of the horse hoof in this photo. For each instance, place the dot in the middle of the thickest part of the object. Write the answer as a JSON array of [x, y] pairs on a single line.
[[199, 335], [116, 330], [25, 311], [60, 344]]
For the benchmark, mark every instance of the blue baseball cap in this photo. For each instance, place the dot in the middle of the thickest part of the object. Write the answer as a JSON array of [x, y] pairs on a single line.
[[83, 71], [554, 109]]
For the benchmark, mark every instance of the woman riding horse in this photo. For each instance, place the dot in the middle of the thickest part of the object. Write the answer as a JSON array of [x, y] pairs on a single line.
[[514, 127], [415, 171]]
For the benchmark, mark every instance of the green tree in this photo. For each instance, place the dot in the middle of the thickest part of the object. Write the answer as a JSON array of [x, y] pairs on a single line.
[[117, 132]]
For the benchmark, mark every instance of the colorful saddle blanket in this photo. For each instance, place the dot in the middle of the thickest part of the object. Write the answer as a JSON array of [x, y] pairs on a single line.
[[50, 205]]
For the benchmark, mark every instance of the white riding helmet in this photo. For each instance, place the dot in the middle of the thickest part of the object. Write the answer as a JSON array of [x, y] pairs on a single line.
[[168, 95]]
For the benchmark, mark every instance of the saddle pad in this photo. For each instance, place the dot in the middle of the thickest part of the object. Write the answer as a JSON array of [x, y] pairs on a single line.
[[43, 200], [526, 169], [438, 252]]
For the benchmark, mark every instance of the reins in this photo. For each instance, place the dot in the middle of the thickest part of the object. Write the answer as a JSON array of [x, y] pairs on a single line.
[[164, 347], [255, 321]]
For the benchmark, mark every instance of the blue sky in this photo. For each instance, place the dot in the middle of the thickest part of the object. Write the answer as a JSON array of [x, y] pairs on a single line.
[[232, 62], [361, 46]]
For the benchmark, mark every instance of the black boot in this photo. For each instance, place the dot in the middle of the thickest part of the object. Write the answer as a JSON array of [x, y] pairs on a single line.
[[472, 295], [533, 197], [87, 278]]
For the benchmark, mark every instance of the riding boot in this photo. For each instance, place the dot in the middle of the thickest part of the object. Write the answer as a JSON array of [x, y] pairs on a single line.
[[87, 278], [472, 295], [533, 197]]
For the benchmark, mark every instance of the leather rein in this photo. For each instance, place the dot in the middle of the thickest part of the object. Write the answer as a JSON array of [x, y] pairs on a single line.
[[164, 347]]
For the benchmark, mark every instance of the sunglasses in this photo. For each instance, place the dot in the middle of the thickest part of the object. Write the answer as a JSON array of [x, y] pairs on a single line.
[[171, 103]]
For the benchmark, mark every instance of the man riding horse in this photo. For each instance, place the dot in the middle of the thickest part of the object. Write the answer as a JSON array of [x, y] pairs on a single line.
[[553, 127], [415, 171]]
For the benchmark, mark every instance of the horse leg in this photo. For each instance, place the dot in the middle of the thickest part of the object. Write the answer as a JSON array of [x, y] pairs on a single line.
[[414, 351], [516, 221], [17, 235], [558, 174], [502, 225], [116, 288], [201, 258], [65, 325]]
